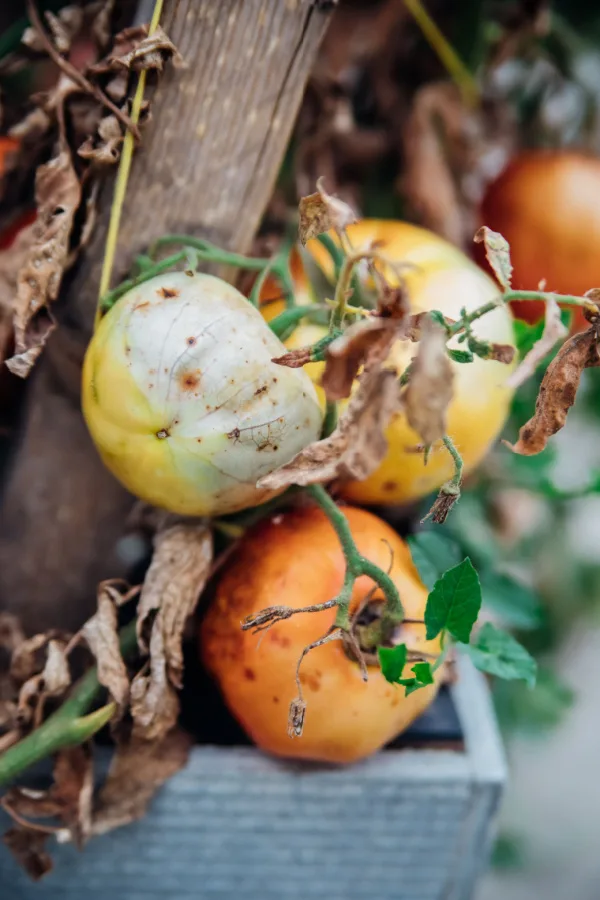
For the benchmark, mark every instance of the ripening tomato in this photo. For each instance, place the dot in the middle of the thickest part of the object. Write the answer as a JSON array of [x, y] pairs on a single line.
[[296, 559], [545, 203], [437, 276], [182, 399]]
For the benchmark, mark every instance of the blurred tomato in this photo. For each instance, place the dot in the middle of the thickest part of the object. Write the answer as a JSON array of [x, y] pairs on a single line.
[[546, 205]]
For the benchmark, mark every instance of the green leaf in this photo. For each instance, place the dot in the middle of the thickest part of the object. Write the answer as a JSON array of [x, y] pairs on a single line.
[[497, 652], [454, 603], [527, 335], [460, 356], [392, 661], [438, 318], [516, 604], [423, 672], [433, 553]]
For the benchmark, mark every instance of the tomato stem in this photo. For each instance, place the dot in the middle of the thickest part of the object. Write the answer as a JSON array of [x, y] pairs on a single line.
[[70, 724], [148, 271]]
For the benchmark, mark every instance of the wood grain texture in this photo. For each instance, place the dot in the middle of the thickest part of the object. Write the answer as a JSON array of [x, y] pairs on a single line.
[[209, 159]]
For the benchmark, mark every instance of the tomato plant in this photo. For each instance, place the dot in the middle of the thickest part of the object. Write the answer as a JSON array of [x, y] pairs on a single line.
[[436, 276], [544, 203], [297, 558], [183, 401]]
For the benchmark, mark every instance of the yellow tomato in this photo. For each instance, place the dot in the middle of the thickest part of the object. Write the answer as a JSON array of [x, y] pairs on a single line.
[[437, 276]]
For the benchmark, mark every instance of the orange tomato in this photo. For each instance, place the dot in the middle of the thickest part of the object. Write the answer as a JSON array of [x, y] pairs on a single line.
[[437, 276], [296, 559], [545, 203]]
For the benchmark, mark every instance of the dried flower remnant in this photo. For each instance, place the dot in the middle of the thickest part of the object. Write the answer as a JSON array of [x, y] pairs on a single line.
[[321, 212]]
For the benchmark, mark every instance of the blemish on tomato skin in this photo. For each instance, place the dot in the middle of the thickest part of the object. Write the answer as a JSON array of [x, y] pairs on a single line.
[[167, 292], [141, 305], [389, 485], [249, 674], [275, 699], [280, 639], [189, 380], [191, 341]]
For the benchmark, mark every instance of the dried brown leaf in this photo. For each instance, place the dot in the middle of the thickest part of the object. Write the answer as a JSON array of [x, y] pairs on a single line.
[[554, 331], [106, 148], [558, 391], [101, 22], [27, 658], [63, 27], [58, 195], [321, 212], [437, 121], [177, 574], [73, 790], [139, 768], [503, 353], [52, 681], [295, 359], [135, 50], [28, 846], [497, 251], [358, 444], [102, 636], [429, 390], [346, 355]]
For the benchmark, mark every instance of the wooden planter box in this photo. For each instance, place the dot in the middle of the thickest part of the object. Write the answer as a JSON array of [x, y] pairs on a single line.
[[413, 823]]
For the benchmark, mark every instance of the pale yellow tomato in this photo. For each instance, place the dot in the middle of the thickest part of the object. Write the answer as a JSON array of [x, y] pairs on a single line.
[[183, 401]]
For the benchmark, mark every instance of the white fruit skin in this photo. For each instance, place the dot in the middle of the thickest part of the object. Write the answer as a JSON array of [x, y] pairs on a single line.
[[203, 361]]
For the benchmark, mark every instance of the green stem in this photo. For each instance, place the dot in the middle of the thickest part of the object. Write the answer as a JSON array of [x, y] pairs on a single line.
[[148, 272], [457, 459], [209, 252], [290, 317], [69, 725], [509, 296], [331, 419], [356, 564]]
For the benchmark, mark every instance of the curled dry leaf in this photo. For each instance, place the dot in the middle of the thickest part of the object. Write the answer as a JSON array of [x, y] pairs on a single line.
[[63, 27], [554, 331], [138, 769], [106, 148], [11, 262], [497, 251], [28, 846], [429, 390], [357, 445], [558, 391], [102, 637], [295, 359], [58, 195], [367, 342], [177, 574], [503, 353], [69, 798], [433, 133], [321, 212], [134, 49], [52, 681]]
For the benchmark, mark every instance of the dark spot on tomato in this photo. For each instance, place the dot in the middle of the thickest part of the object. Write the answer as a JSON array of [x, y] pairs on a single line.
[[189, 380], [142, 305], [260, 390], [151, 371], [275, 447], [162, 434], [234, 434], [249, 674], [190, 273], [199, 440], [390, 485], [275, 699], [274, 381], [191, 341], [310, 682], [127, 350], [280, 639], [167, 292]]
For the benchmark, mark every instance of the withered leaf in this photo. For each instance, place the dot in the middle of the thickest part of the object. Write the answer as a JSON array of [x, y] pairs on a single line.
[[63, 28], [429, 390], [69, 798], [321, 212], [52, 681], [177, 574], [554, 331], [433, 134], [138, 769], [102, 636], [28, 846], [134, 49], [503, 353], [58, 195], [497, 251], [358, 444], [558, 391], [295, 359], [106, 149], [346, 355]]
